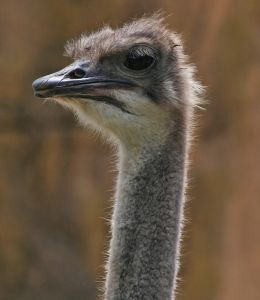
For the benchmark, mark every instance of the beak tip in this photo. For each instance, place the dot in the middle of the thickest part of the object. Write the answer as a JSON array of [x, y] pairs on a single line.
[[36, 84], [37, 87]]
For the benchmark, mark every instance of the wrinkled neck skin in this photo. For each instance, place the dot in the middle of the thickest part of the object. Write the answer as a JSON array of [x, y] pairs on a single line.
[[147, 217]]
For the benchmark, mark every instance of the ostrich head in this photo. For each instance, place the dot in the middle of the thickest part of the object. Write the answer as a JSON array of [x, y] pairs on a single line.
[[129, 81]]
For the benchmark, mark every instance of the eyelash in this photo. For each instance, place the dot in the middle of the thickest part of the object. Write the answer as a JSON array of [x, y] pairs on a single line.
[[141, 52]]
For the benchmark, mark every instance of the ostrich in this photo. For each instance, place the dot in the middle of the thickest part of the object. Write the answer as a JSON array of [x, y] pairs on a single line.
[[134, 85]]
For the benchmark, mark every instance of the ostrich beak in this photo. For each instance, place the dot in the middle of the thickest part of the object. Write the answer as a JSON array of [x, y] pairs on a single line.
[[78, 81]]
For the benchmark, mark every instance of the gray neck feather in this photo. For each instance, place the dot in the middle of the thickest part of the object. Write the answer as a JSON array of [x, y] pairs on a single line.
[[146, 223]]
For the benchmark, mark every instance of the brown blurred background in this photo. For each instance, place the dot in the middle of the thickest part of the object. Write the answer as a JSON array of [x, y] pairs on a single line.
[[56, 182]]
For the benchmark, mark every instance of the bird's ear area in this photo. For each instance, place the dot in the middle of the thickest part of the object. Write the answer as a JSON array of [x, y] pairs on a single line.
[[176, 44], [192, 90]]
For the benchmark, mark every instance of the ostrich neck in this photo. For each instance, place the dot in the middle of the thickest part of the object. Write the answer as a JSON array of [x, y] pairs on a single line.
[[146, 222]]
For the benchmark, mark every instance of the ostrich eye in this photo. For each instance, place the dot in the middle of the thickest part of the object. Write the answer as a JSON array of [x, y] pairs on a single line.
[[137, 60]]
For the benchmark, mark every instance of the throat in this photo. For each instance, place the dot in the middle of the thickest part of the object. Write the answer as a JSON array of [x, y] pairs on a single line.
[[146, 222]]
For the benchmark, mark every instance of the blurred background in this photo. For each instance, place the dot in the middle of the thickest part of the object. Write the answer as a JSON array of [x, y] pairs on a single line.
[[56, 182]]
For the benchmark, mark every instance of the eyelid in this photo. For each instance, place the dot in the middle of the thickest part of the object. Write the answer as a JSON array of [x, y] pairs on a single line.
[[141, 51], [146, 50]]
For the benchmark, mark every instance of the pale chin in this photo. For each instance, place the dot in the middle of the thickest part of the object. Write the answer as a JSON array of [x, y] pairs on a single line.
[[67, 103]]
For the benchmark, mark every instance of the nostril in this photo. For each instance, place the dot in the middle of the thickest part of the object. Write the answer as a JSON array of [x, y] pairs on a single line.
[[77, 73]]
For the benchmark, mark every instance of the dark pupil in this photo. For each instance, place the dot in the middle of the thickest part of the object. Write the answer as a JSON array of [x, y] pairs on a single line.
[[139, 62]]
